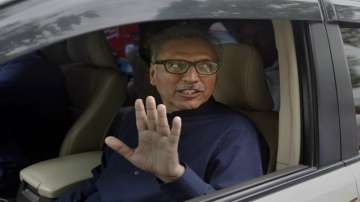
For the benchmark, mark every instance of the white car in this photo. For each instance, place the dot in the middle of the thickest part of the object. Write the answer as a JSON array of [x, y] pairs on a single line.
[[302, 56]]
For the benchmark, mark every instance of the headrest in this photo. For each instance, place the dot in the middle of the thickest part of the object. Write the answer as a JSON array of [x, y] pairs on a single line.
[[91, 48], [241, 80]]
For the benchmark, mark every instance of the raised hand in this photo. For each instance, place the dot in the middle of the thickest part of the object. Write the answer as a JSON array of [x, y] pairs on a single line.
[[157, 151]]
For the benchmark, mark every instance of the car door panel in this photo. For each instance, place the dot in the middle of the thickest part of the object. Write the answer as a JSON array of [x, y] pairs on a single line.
[[335, 186], [355, 170]]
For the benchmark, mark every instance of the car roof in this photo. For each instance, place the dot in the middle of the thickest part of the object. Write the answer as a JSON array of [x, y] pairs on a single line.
[[31, 24]]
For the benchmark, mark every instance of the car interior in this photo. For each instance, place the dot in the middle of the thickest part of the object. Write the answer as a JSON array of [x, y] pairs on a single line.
[[99, 93]]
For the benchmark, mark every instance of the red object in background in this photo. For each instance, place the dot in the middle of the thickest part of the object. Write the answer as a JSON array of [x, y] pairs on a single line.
[[119, 37]]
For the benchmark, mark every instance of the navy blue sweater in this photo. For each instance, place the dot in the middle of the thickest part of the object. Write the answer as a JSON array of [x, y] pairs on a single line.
[[219, 148]]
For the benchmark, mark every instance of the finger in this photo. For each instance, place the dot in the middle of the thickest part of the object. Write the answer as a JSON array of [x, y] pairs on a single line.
[[120, 147], [141, 119], [176, 128], [162, 125], [151, 113]]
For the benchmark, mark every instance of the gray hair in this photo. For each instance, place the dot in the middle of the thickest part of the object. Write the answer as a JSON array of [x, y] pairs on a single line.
[[183, 31]]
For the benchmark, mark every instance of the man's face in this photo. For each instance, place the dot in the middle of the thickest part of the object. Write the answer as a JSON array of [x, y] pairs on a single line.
[[189, 90]]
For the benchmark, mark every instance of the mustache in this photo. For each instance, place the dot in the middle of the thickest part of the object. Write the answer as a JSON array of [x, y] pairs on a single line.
[[196, 86]]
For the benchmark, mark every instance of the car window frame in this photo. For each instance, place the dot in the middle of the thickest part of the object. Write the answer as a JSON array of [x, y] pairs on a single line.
[[349, 136], [28, 29], [338, 13], [327, 135]]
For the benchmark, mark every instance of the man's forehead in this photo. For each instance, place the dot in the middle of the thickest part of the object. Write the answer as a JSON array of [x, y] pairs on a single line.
[[188, 39], [188, 47]]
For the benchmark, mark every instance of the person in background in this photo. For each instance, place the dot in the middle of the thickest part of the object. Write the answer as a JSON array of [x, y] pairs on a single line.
[[33, 116], [123, 41], [219, 31]]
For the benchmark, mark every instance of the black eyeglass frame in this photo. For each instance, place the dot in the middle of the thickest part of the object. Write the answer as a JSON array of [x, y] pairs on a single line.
[[190, 64]]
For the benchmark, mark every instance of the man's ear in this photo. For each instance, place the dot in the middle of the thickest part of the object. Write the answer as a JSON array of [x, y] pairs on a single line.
[[152, 72]]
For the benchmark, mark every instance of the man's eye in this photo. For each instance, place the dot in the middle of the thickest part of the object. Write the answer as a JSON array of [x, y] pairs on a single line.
[[176, 65], [205, 67]]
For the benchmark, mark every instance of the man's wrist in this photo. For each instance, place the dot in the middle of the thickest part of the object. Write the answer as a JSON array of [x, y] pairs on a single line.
[[179, 171]]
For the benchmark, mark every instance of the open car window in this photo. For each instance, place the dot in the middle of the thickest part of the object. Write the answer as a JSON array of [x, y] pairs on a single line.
[[255, 62]]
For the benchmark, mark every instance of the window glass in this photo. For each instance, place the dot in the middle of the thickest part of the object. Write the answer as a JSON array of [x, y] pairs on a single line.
[[351, 39]]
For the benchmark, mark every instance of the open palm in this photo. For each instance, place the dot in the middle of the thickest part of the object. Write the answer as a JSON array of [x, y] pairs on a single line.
[[157, 150]]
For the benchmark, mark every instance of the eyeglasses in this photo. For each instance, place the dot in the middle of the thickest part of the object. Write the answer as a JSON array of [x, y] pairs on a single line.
[[203, 67]]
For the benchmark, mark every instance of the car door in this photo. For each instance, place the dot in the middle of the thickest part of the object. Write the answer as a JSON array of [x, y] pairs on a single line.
[[333, 180]]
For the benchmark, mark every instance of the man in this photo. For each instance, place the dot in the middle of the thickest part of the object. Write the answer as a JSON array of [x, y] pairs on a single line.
[[207, 147]]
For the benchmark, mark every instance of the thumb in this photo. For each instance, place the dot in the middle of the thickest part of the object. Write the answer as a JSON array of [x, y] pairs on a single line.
[[119, 146]]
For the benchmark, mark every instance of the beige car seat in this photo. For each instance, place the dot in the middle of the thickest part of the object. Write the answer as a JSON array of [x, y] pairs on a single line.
[[241, 85], [96, 91]]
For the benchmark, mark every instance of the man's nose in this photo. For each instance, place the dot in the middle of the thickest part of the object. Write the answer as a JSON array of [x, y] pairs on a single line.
[[191, 75]]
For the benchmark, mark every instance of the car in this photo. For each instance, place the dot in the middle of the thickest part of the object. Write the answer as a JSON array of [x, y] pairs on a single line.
[[313, 136]]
